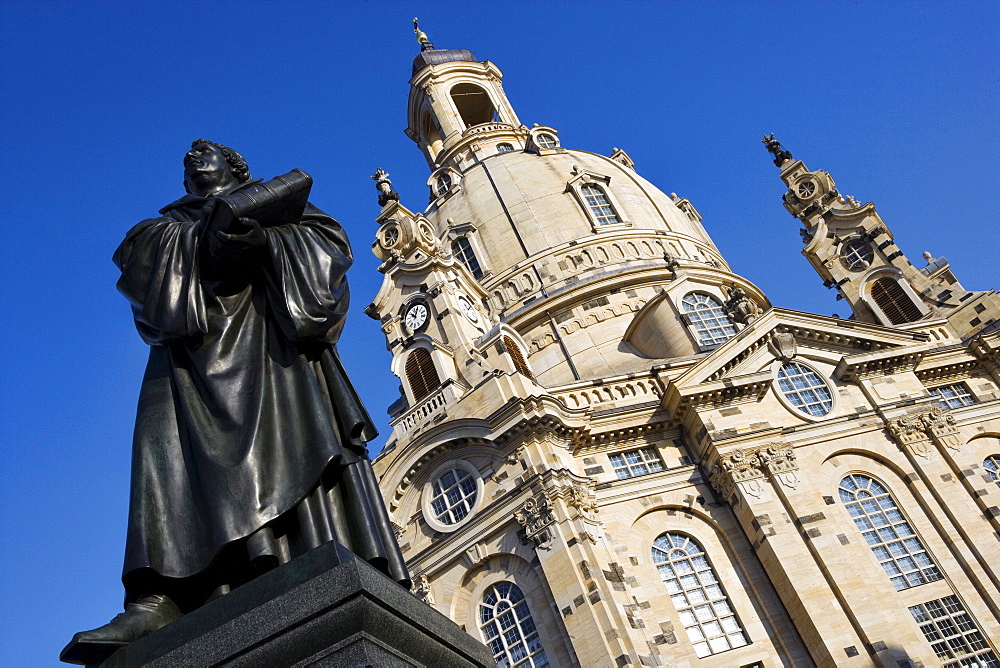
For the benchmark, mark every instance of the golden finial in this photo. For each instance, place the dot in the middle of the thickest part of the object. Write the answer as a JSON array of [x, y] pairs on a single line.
[[421, 36]]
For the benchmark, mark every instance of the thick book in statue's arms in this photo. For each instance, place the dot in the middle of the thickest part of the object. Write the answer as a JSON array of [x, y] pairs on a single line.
[[276, 202]]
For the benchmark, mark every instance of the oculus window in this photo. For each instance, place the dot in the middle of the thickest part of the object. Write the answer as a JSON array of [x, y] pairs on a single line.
[[545, 140], [508, 628], [708, 319], [454, 494], [857, 254], [804, 389], [889, 535], [443, 184], [696, 593]]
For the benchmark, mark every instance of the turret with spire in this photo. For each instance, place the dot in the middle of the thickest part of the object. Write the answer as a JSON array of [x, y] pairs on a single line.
[[853, 251]]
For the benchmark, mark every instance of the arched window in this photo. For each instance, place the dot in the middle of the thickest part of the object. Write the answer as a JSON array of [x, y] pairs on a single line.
[[545, 140], [701, 603], [708, 319], [509, 630], [461, 248], [516, 357], [443, 184], [804, 389], [473, 104], [894, 302], [421, 374], [454, 495], [505, 148], [992, 466], [889, 535], [600, 206]]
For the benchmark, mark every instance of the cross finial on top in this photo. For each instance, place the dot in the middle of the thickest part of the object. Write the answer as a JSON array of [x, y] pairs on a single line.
[[425, 43]]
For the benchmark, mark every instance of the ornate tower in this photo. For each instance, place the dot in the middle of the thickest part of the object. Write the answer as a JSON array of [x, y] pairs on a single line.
[[853, 250], [610, 449]]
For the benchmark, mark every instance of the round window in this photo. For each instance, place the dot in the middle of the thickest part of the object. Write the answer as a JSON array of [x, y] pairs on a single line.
[[452, 495], [443, 184], [857, 254], [804, 390], [545, 140]]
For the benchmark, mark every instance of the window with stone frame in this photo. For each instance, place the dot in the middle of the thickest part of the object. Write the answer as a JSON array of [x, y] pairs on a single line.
[[546, 140], [804, 389], [955, 395], [634, 463], [894, 302], [421, 374], [520, 365], [992, 466], [453, 495], [461, 248], [697, 594], [508, 628], [708, 319], [443, 184], [953, 633], [601, 208], [505, 148], [892, 540]]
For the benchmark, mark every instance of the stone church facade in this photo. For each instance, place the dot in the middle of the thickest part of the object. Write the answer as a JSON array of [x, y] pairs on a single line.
[[611, 450]]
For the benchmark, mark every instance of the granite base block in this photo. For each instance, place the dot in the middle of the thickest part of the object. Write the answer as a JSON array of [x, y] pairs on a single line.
[[324, 608]]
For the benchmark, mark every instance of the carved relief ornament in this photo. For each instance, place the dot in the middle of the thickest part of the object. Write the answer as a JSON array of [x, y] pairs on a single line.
[[915, 432], [536, 516], [747, 468]]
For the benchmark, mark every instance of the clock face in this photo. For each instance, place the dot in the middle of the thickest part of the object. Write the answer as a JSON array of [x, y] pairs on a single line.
[[416, 316], [468, 309]]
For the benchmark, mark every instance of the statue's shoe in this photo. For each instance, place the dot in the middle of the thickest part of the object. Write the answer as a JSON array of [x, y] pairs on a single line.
[[144, 616]]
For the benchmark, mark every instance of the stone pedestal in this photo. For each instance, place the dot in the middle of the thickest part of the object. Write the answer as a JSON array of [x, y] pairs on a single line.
[[324, 608]]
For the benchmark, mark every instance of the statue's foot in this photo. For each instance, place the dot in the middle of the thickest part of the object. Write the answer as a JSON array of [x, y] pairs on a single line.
[[144, 616]]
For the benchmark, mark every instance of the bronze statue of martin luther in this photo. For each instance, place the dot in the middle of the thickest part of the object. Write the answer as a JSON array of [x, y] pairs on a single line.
[[249, 444]]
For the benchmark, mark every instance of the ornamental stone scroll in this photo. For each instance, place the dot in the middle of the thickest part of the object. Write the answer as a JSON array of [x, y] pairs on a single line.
[[915, 433], [747, 468]]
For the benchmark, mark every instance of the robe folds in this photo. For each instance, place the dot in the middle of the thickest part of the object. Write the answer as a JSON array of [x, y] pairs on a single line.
[[249, 439]]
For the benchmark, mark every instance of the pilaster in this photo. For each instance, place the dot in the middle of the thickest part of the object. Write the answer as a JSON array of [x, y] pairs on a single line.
[[561, 519], [756, 481]]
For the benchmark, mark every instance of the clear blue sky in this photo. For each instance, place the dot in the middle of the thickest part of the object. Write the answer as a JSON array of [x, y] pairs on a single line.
[[898, 101]]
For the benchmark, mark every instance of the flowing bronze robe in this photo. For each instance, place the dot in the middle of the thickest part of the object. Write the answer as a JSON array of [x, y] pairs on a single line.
[[249, 439]]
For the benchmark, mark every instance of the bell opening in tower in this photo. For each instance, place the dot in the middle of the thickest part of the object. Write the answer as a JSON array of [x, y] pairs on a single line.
[[473, 105]]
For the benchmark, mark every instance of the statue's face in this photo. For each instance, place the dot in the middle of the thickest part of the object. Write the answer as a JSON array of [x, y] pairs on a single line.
[[204, 160]]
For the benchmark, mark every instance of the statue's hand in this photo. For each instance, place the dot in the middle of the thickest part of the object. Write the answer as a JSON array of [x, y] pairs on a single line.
[[253, 238], [240, 246]]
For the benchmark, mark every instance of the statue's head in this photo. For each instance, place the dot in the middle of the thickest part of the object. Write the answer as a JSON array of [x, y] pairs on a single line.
[[210, 164]]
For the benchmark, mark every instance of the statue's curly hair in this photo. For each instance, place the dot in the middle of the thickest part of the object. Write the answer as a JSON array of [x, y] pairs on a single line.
[[236, 162]]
